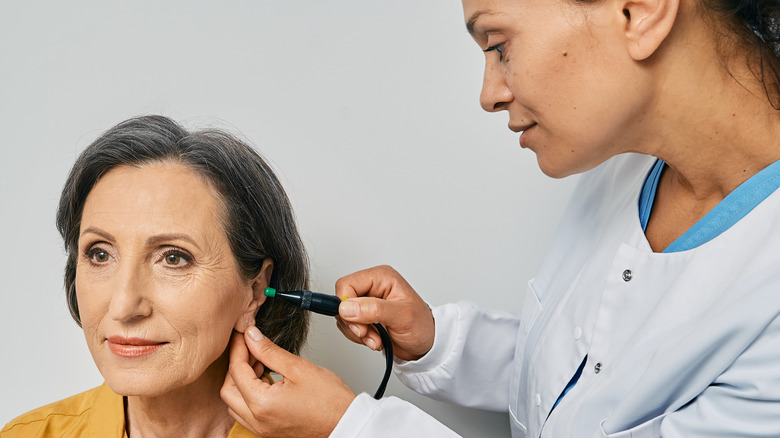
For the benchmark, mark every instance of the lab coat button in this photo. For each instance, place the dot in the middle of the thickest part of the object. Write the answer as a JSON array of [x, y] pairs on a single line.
[[597, 368], [627, 275], [577, 334], [538, 399]]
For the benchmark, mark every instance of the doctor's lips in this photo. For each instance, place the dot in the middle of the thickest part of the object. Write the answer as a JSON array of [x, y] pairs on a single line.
[[132, 347], [521, 128]]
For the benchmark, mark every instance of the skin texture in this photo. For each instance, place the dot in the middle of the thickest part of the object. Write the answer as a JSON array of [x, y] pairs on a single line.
[[583, 81], [155, 264]]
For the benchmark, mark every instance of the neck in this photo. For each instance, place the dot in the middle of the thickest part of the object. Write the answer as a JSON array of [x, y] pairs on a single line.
[[714, 126], [195, 410], [708, 118]]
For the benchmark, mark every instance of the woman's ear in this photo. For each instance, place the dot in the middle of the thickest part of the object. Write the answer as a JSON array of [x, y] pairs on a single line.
[[647, 23], [262, 281], [259, 283]]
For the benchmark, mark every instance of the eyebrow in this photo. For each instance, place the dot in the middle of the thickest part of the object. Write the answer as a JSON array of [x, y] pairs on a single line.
[[159, 238], [99, 232], [472, 21], [150, 241]]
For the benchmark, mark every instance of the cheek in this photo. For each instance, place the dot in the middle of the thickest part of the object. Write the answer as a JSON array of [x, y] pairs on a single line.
[[92, 305], [544, 80], [208, 318]]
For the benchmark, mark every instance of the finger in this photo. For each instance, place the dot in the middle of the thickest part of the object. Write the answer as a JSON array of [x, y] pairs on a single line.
[[372, 339], [368, 310], [353, 332], [237, 406], [242, 377], [238, 349], [368, 337], [259, 369], [273, 356], [241, 363], [249, 390]]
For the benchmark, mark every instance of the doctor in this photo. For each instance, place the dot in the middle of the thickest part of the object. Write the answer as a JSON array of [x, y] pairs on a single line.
[[655, 312]]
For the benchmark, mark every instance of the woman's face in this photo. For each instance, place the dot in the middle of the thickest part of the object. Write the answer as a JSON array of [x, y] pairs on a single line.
[[158, 288], [562, 71]]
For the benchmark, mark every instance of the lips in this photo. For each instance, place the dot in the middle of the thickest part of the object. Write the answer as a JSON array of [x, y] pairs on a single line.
[[133, 347], [521, 128], [524, 133]]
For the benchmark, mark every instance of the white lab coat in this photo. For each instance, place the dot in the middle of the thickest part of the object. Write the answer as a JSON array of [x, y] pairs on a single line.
[[687, 344]]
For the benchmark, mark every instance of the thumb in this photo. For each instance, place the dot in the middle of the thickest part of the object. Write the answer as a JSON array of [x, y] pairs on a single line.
[[370, 310], [270, 354]]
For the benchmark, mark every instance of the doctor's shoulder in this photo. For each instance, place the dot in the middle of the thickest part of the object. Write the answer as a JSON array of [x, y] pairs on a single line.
[[71, 417]]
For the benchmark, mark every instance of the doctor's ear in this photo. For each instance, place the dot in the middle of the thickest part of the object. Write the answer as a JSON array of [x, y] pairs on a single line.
[[647, 23], [259, 283]]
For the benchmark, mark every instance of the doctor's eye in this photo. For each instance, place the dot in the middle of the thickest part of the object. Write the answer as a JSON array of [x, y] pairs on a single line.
[[497, 48]]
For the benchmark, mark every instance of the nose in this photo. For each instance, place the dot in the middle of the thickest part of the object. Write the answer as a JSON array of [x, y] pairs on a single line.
[[495, 95], [130, 300]]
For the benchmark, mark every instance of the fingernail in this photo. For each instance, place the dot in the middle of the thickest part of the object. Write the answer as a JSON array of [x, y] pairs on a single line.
[[370, 343], [254, 333], [355, 330], [349, 309]]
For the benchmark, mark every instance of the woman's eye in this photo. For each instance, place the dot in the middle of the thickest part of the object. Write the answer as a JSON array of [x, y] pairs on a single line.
[[98, 255], [497, 48], [175, 258]]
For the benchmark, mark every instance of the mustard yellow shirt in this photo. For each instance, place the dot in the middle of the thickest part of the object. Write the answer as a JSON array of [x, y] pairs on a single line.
[[97, 413]]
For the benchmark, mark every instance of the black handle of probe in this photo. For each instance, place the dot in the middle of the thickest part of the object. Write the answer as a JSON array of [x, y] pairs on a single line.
[[316, 302], [325, 304]]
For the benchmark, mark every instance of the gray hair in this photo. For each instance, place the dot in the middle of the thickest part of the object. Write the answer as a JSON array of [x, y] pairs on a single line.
[[257, 217]]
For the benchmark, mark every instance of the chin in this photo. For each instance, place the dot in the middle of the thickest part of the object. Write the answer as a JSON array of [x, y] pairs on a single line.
[[142, 387], [561, 167], [135, 382], [554, 169]]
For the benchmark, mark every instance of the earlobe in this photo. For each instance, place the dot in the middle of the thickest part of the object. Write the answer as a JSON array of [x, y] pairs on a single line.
[[647, 24], [259, 283]]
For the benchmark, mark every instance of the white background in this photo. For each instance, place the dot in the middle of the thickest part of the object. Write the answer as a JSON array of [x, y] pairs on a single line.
[[368, 110]]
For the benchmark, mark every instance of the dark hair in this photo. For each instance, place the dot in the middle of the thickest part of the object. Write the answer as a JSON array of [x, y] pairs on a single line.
[[756, 24], [257, 216]]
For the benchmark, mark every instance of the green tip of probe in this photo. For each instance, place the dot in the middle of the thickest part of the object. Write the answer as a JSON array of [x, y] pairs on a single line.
[[270, 292]]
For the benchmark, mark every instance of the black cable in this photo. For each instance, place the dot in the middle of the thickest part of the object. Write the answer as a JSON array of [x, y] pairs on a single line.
[[325, 304], [388, 360]]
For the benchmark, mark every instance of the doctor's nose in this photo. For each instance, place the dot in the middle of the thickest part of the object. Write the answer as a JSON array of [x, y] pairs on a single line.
[[130, 296], [495, 95]]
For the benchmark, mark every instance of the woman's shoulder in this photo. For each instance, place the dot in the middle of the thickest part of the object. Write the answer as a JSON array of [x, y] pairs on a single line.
[[69, 417]]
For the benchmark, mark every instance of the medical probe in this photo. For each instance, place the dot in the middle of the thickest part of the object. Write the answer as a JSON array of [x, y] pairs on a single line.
[[325, 304]]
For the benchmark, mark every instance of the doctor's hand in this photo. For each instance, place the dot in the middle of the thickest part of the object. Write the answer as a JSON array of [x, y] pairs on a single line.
[[308, 402], [381, 295]]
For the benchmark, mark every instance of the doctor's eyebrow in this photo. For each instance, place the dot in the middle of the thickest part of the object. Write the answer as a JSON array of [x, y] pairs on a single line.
[[472, 21]]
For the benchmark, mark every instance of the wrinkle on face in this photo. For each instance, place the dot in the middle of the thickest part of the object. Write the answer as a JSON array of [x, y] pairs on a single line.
[[148, 210]]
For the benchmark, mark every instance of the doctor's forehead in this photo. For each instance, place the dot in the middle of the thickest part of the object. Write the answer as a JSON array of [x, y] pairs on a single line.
[[476, 10]]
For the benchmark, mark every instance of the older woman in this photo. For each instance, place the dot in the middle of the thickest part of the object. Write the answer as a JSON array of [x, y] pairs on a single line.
[[171, 236]]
